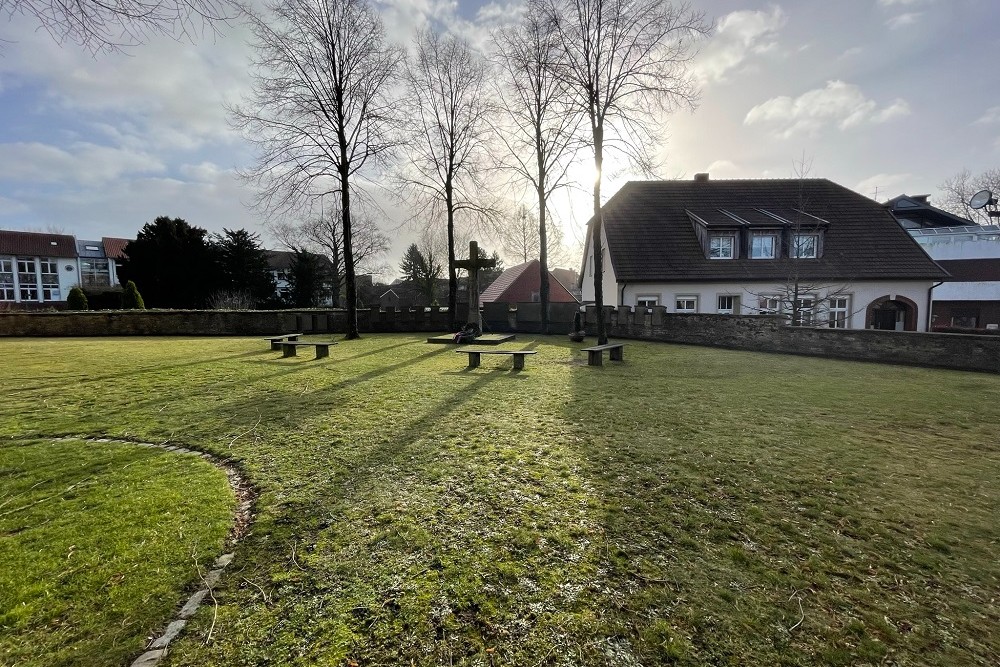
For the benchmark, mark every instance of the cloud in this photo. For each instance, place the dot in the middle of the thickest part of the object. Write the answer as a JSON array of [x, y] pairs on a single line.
[[903, 20], [172, 93], [82, 163], [892, 3], [723, 169], [738, 36], [839, 103], [991, 116], [883, 184], [851, 52]]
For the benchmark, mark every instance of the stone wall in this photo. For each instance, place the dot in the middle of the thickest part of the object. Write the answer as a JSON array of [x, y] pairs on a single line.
[[749, 332], [768, 333], [217, 322]]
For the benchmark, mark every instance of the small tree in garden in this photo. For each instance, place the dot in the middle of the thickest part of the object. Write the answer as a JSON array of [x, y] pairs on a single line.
[[77, 300], [131, 299]]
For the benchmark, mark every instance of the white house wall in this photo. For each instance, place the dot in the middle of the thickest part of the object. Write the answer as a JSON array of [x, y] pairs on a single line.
[[609, 282], [68, 272], [861, 295], [968, 291]]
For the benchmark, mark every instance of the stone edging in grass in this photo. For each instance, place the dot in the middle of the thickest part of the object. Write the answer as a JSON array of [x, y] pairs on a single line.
[[242, 519]]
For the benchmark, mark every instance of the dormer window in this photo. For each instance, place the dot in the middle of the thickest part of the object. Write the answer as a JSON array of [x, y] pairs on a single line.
[[805, 246], [722, 246], [764, 245]]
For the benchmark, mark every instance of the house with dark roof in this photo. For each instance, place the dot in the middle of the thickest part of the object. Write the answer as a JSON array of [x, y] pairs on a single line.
[[916, 211], [809, 249], [522, 283], [36, 268]]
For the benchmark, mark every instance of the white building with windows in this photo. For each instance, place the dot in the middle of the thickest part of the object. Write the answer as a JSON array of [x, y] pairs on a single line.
[[809, 249], [36, 269]]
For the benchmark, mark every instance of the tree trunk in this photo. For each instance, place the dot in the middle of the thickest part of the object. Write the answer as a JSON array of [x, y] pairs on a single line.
[[543, 251], [352, 292], [602, 329], [452, 277]]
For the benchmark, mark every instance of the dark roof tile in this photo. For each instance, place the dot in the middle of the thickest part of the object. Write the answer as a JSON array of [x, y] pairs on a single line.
[[652, 238]]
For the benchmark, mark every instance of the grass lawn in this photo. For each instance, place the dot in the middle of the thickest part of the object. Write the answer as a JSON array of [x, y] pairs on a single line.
[[692, 506], [98, 542]]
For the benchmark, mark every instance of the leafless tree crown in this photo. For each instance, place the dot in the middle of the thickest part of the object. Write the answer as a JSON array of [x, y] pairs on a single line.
[[958, 190], [108, 26], [322, 99], [626, 62]]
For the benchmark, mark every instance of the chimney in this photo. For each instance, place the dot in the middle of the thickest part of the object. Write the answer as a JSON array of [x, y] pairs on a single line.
[[701, 178]]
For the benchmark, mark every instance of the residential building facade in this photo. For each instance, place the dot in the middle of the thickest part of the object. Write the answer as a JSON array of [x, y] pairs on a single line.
[[810, 250]]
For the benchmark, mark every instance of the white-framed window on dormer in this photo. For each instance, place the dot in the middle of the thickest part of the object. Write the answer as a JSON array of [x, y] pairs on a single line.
[[763, 245], [686, 303], [805, 246], [722, 246]]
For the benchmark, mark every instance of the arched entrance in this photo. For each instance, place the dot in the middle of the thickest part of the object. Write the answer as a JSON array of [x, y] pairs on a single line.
[[892, 314]]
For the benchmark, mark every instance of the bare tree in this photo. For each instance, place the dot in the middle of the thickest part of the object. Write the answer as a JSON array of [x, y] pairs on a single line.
[[321, 109], [324, 234], [450, 130], [536, 106], [108, 26], [518, 232], [958, 190], [624, 62]]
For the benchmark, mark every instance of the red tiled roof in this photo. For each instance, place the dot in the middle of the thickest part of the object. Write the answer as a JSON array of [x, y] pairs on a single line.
[[35, 244], [503, 281], [519, 283], [114, 247]]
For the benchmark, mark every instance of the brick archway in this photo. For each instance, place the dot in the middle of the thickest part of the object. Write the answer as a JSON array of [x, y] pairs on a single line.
[[909, 308]]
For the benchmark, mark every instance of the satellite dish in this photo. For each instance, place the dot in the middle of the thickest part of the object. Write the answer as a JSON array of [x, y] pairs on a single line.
[[981, 199]]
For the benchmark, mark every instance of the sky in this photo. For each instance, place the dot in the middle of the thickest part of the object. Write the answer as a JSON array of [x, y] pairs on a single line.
[[883, 96]]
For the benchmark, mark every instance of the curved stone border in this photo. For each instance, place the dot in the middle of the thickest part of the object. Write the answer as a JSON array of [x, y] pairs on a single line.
[[241, 525]]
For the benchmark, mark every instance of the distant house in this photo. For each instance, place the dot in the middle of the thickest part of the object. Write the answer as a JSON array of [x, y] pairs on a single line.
[[916, 212], [280, 262], [969, 298], [114, 250], [522, 283], [809, 246], [36, 268]]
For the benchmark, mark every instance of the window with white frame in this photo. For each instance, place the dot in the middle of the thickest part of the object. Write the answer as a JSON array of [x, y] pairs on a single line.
[[729, 304], [804, 311], [686, 304], [95, 272], [840, 309], [769, 304], [805, 246], [50, 279], [647, 300], [722, 246], [763, 245], [27, 279], [6, 279]]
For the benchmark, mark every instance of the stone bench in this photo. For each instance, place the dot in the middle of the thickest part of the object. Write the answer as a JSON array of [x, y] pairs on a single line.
[[288, 348], [595, 355], [276, 341], [519, 355]]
